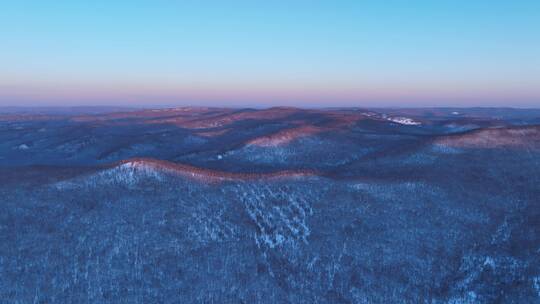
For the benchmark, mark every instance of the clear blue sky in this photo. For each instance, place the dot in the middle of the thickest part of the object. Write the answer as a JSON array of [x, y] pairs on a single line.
[[297, 53]]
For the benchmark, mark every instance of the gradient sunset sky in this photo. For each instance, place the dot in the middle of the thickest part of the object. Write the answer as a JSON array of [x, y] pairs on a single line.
[[265, 53]]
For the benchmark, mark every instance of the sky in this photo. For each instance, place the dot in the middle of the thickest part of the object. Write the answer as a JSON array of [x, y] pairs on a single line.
[[267, 53]]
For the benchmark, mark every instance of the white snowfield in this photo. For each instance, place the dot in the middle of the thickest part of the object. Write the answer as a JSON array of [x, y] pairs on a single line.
[[404, 121]]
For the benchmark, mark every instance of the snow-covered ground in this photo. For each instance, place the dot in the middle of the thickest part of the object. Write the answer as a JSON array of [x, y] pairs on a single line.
[[404, 121]]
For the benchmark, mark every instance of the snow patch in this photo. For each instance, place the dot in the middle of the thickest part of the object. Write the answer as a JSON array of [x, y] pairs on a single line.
[[536, 285], [404, 121], [489, 262], [279, 214]]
